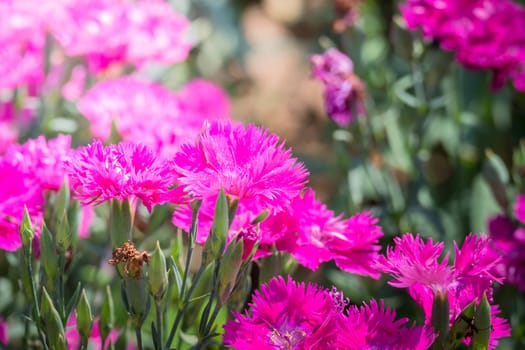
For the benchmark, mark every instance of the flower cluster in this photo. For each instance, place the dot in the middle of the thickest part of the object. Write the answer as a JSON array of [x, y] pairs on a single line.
[[485, 34], [291, 315], [415, 265], [106, 32], [344, 92]]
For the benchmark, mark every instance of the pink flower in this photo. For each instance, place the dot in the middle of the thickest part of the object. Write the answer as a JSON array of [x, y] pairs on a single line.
[[156, 34], [95, 340], [17, 189], [486, 34], [125, 171], [248, 163], [8, 136], [285, 315], [205, 99], [509, 241], [414, 265], [344, 92], [44, 160], [22, 39], [375, 327], [3, 331], [412, 261], [315, 235], [160, 118], [519, 208]]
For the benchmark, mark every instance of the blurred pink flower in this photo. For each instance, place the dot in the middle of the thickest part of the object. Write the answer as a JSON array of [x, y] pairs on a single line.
[[8, 136], [17, 189], [125, 171], [344, 92], [286, 315], [249, 163], [156, 34], [509, 241], [3, 331], [22, 39], [44, 160], [519, 208], [375, 326], [95, 340], [116, 32], [86, 217], [149, 112], [205, 99], [485, 34]]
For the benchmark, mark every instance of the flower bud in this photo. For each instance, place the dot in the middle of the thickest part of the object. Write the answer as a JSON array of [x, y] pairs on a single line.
[[84, 316], [27, 232], [157, 275], [52, 323], [48, 255], [463, 323], [482, 325], [219, 230], [229, 268], [137, 299]]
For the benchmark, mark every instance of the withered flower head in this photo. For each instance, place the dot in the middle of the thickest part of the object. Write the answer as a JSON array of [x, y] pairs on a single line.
[[132, 258]]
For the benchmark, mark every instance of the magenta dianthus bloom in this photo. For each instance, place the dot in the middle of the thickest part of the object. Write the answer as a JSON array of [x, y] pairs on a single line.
[[375, 326], [42, 159], [343, 91], [17, 189], [248, 163], [415, 265], [286, 315], [125, 171], [313, 235]]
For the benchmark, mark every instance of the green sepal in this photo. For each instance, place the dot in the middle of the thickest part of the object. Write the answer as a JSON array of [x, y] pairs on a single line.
[[107, 315], [119, 222], [482, 325], [229, 269], [48, 254], [157, 273], [462, 324], [52, 324], [84, 316]]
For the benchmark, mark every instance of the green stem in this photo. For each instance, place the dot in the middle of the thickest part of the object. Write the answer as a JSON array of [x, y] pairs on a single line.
[[158, 312], [28, 257], [138, 334]]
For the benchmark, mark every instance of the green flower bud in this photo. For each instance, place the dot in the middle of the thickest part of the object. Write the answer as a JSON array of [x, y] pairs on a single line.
[[52, 324], [219, 230], [62, 199], [157, 275], [463, 324], [482, 325], [84, 316], [27, 233], [137, 299], [48, 255], [229, 268]]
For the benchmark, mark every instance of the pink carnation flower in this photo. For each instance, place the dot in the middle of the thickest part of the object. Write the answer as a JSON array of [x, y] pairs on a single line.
[[248, 163], [375, 326], [414, 265], [8, 136], [285, 315], [17, 189], [313, 235], [160, 118], [344, 92], [509, 241], [485, 34], [42, 159], [125, 171]]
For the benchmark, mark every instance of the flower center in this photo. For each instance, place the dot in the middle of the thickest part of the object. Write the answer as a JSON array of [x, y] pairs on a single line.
[[287, 339]]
